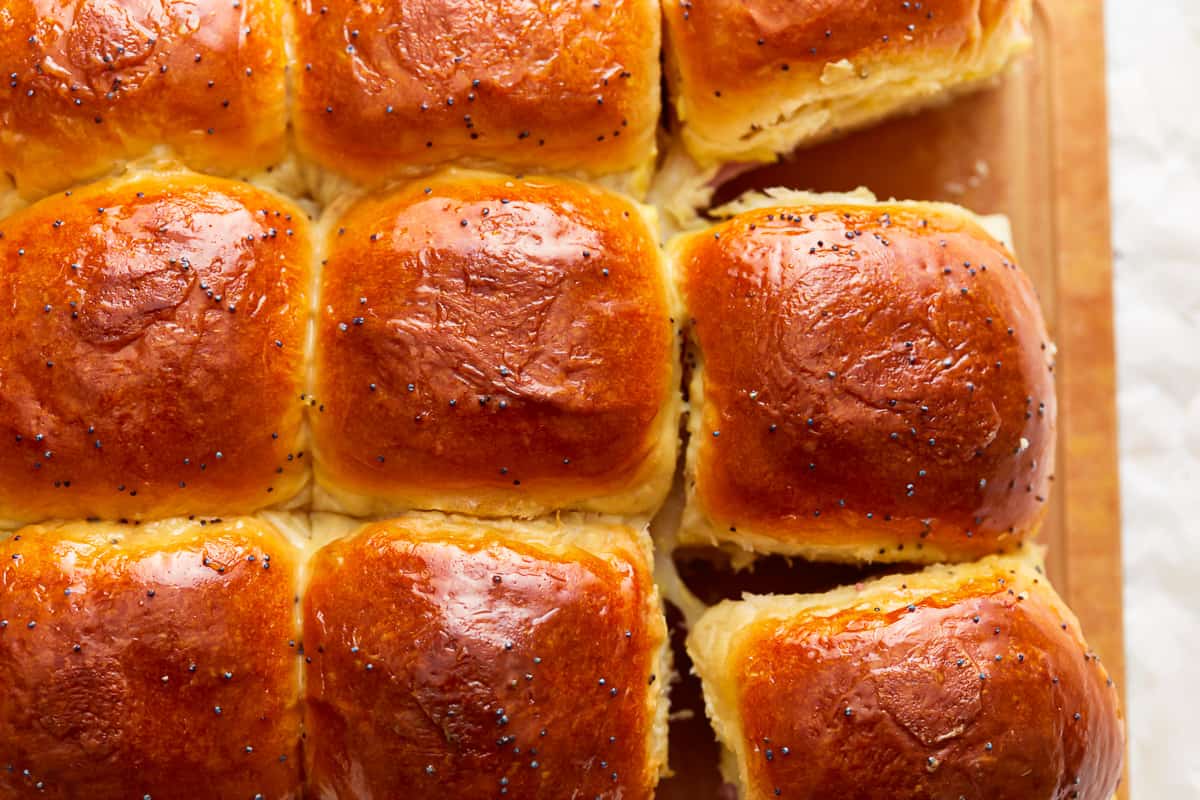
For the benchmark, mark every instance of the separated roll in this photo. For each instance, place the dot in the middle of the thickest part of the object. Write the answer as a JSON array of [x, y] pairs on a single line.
[[873, 381], [963, 681], [750, 80]]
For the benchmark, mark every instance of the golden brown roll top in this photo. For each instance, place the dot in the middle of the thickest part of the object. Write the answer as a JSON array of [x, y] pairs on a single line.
[[965, 681], [152, 350], [183, 658], [494, 346], [94, 82], [754, 78], [478, 659], [874, 383], [158, 661], [388, 89]]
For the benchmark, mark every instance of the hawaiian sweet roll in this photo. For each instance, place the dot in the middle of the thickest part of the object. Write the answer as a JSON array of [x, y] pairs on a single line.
[[873, 381], [751, 79], [391, 89], [494, 346], [469, 658], [970, 680], [94, 82], [151, 661], [152, 350]]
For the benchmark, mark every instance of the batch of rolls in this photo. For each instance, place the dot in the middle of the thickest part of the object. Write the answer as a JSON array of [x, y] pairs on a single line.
[[344, 368]]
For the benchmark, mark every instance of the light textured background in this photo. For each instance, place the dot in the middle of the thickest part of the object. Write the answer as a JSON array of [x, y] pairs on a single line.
[[1154, 117]]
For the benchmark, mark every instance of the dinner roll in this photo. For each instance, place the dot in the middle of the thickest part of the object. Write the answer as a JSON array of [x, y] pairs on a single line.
[[458, 658], [155, 661], [494, 346], [151, 350], [960, 681], [94, 82], [754, 78], [390, 89], [873, 382]]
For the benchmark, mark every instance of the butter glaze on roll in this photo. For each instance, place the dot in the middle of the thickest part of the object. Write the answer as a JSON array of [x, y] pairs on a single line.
[[754, 78], [390, 89], [965, 681], [874, 382], [465, 658], [158, 661], [92, 83], [152, 350], [497, 347]]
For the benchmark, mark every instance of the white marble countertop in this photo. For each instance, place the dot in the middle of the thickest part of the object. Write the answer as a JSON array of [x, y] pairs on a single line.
[[1154, 116]]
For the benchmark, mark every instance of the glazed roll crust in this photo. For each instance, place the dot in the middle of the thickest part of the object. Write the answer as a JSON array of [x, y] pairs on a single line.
[[158, 661], [152, 356], [185, 615], [874, 383], [92, 83], [466, 658], [494, 346], [750, 79], [391, 88], [944, 683]]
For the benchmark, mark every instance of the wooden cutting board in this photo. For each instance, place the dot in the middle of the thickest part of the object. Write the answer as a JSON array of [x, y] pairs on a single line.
[[1036, 149]]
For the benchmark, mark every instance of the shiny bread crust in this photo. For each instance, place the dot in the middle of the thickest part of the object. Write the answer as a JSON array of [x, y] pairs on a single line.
[[465, 657], [152, 350], [873, 381], [494, 346], [388, 90], [751, 79], [159, 660], [92, 84], [930, 684]]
